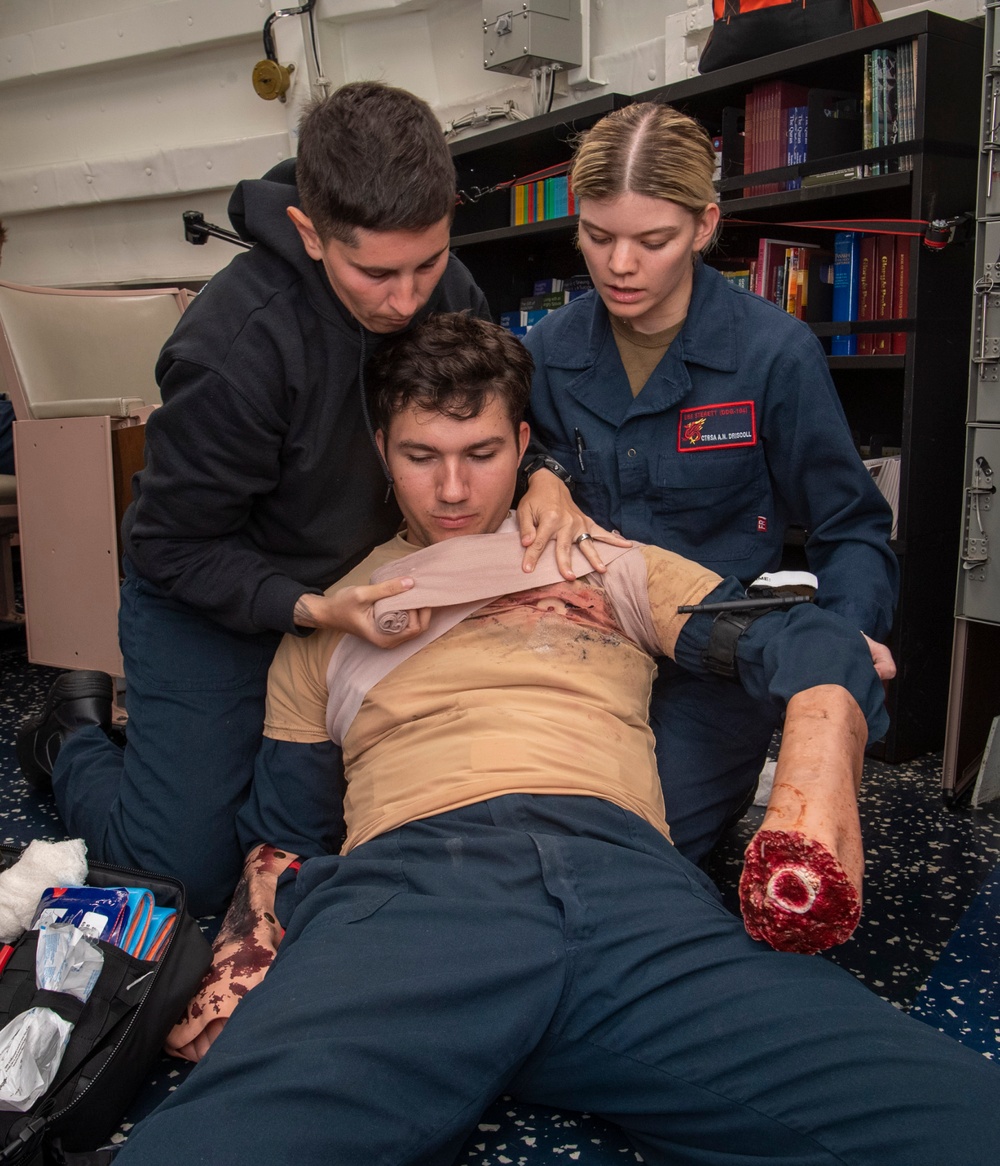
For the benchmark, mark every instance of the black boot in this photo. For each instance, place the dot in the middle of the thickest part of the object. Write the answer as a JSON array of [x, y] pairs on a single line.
[[75, 701]]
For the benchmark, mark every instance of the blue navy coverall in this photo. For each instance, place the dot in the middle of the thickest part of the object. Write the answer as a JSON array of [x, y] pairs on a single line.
[[737, 434]]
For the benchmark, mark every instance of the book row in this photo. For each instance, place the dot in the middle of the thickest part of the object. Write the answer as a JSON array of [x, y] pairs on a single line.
[[798, 277], [889, 103], [784, 124], [549, 295], [871, 281], [547, 198], [865, 278]]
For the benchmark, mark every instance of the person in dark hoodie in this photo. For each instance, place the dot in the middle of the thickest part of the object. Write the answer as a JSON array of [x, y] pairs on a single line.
[[262, 486]]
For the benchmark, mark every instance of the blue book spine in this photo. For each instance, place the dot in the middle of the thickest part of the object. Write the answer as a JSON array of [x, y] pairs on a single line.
[[846, 251], [562, 188], [878, 106], [796, 141]]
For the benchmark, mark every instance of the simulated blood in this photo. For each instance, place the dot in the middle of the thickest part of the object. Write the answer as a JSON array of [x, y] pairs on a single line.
[[795, 895]]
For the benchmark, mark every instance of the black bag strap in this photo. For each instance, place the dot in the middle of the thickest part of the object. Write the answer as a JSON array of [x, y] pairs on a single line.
[[119, 988], [62, 1003], [102, 1157], [18, 992], [19, 970], [25, 1148]]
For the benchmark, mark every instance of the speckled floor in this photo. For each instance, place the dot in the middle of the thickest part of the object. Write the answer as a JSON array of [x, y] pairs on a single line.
[[962, 994], [924, 866], [929, 938]]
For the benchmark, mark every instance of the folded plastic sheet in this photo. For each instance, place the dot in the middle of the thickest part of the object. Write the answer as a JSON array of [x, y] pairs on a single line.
[[32, 1044]]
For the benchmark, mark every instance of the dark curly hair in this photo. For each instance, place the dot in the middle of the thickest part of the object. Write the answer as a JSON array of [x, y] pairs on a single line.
[[452, 363]]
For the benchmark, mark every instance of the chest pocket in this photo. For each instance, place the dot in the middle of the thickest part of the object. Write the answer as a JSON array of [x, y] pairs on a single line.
[[592, 485], [707, 504]]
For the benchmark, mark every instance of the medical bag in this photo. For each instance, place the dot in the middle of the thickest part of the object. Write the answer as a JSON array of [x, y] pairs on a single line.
[[746, 29], [117, 1035]]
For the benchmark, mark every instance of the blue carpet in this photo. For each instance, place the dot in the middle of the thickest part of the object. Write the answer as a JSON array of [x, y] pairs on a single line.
[[962, 994]]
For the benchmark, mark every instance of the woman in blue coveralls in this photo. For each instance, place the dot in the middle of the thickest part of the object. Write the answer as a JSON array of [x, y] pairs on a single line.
[[697, 416]]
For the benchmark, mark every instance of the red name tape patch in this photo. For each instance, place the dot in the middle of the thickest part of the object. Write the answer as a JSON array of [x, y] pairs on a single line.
[[725, 426]]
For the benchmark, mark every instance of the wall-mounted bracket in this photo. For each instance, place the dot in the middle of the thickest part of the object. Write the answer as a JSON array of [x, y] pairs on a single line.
[[978, 500], [986, 340]]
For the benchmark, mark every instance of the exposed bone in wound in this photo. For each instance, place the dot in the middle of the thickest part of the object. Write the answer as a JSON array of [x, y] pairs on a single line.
[[795, 895]]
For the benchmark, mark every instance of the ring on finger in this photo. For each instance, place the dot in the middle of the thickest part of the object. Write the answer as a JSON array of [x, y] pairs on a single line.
[[580, 538]]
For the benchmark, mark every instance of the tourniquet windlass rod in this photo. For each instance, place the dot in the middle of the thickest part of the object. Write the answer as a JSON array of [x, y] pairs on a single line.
[[774, 604]]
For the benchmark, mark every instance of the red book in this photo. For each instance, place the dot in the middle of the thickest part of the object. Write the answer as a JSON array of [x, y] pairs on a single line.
[[901, 293], [750, 137], [866, 292], [781, 97], [770, 256], [758, 284], [768, 98], [764, 151], [885, 263], [759, 133]]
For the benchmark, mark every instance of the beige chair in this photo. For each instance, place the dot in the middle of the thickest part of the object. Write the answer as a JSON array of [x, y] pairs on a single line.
[[78, 368]]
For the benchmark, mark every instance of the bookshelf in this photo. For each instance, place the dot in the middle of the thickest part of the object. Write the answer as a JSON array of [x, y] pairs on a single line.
[[915, 401]]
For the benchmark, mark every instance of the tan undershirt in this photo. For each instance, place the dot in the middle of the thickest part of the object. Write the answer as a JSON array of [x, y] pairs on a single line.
[[641, 352], [476, 713]]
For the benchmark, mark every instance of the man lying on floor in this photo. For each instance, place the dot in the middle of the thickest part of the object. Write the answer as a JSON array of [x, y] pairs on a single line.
[[507, 913]]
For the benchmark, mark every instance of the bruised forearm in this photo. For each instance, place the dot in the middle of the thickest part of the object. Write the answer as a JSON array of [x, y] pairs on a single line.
[[251, 917], [241, 955]]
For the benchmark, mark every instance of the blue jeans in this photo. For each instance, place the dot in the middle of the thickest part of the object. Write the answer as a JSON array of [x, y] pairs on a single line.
[[168, 801], [711, 741], [559, 949]]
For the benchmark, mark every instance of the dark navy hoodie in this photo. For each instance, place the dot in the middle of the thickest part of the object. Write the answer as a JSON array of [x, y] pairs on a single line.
[[261, 480]]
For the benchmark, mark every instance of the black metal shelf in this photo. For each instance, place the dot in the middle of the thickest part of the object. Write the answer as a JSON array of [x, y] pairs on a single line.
[[562, 225], [884, 363], [862, 187], [851, 187]]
